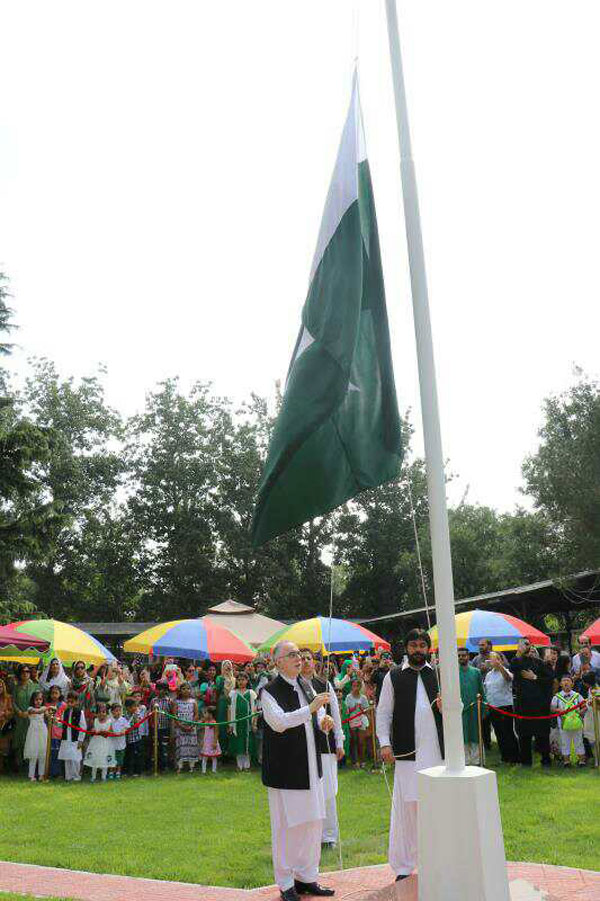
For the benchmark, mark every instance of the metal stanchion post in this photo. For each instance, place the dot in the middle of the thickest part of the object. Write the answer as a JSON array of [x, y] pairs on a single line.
[[374, 738], [155, 741], [596, 714], [48, 749], [480, 732]]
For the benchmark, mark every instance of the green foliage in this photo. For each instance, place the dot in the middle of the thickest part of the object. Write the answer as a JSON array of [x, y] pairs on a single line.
[[150, 518], [27, 516], [563, 475], [80, 476]]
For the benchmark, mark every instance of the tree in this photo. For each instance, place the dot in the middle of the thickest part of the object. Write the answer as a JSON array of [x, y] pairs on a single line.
[[375, 541], [80, 476], [26, 515], [563, 476], [172, 453]]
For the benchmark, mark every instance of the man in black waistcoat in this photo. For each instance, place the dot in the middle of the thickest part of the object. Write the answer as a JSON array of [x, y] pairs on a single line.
[[409, 729], [291, 769]]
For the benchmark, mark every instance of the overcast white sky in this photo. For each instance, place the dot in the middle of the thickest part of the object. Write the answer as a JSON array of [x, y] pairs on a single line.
[[164, 165]]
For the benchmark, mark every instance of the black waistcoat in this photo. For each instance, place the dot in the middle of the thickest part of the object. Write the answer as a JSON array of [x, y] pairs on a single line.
[[71, 716], [404, 683], [285, 754]]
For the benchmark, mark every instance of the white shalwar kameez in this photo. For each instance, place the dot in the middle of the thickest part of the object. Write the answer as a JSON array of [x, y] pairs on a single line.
[[402, 852], [296, 814], [330, 773]]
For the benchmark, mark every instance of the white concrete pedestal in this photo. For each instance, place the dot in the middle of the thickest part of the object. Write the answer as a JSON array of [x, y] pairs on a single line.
[[461, 847]]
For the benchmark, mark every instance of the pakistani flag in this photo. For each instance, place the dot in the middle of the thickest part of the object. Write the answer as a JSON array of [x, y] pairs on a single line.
[[338, 430]]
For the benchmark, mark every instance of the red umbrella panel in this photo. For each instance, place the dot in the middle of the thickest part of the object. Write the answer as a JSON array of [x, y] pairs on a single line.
[[21, 641]]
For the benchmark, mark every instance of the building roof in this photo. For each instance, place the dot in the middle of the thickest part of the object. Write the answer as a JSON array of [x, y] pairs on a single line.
[[563, 594], [231, 607]]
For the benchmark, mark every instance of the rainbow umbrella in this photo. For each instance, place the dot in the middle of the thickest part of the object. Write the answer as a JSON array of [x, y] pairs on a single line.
[[65, 641], [592, 632], [195, 639], [503, 630], [315, 634], [20, 644]]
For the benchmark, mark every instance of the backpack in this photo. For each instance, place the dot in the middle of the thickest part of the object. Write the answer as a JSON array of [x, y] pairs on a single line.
[[572, 721]]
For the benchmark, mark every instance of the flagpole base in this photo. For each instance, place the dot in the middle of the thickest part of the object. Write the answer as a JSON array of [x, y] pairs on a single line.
[[461, 847]]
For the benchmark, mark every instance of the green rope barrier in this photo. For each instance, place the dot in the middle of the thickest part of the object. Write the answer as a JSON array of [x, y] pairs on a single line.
[[180, 719]]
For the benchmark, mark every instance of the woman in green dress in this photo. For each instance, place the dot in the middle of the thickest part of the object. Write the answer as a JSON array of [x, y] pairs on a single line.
[[225, 683], [23, 689], [242, 723]]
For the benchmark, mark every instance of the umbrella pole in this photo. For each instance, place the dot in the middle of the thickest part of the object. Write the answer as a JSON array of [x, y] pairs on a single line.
[[48, 749], [596, 713], [373, 741], [480, 732], [155, 741]]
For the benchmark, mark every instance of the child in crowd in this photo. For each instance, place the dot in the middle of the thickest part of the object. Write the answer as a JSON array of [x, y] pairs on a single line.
[[356, 702], [118, 739], [99, 755], [144, 728], [210, 749], [37, 736], [242, 722], [570, 725], [72, 740], [134, 751], [163, 705], [186, 735], [345, 726], [55, 700]]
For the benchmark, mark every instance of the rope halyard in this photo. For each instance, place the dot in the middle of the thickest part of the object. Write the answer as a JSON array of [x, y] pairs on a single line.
[[328, 734]]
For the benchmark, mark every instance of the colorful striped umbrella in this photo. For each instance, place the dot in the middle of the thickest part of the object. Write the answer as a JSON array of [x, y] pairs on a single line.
[[66, 642], [315, 634], [195, 639], [593, 632], [503, 630], [20, 644]]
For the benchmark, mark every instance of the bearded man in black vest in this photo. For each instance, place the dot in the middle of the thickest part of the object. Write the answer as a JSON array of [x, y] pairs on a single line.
[[409, 729], [291, 769]]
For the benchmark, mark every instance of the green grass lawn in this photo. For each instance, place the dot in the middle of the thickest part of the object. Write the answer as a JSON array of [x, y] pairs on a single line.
[[215, 829]]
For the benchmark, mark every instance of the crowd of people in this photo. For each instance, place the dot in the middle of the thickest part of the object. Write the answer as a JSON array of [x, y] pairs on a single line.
[[66, 721], [519, 697]]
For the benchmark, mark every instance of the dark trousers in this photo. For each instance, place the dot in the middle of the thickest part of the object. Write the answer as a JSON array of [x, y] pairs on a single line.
[[486, 732], [505, 734], [164, 744], [56, 765], [542, 745], [135, 758], [357, 745]]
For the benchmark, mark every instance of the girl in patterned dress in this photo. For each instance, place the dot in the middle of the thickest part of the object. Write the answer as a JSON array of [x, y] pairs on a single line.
[[186, 736]]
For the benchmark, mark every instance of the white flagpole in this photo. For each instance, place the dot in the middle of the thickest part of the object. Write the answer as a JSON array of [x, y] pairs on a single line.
[[467, 863], [436, 484]]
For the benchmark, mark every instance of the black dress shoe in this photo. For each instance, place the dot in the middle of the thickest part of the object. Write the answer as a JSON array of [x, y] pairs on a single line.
[[313, 888], [402, 876], [290, 894]]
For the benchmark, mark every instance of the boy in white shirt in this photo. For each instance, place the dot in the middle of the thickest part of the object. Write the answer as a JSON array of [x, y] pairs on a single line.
[[119, 725], [571, 725]]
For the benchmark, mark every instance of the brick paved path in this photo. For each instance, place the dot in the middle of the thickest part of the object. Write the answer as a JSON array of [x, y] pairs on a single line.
[[559, 884]]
